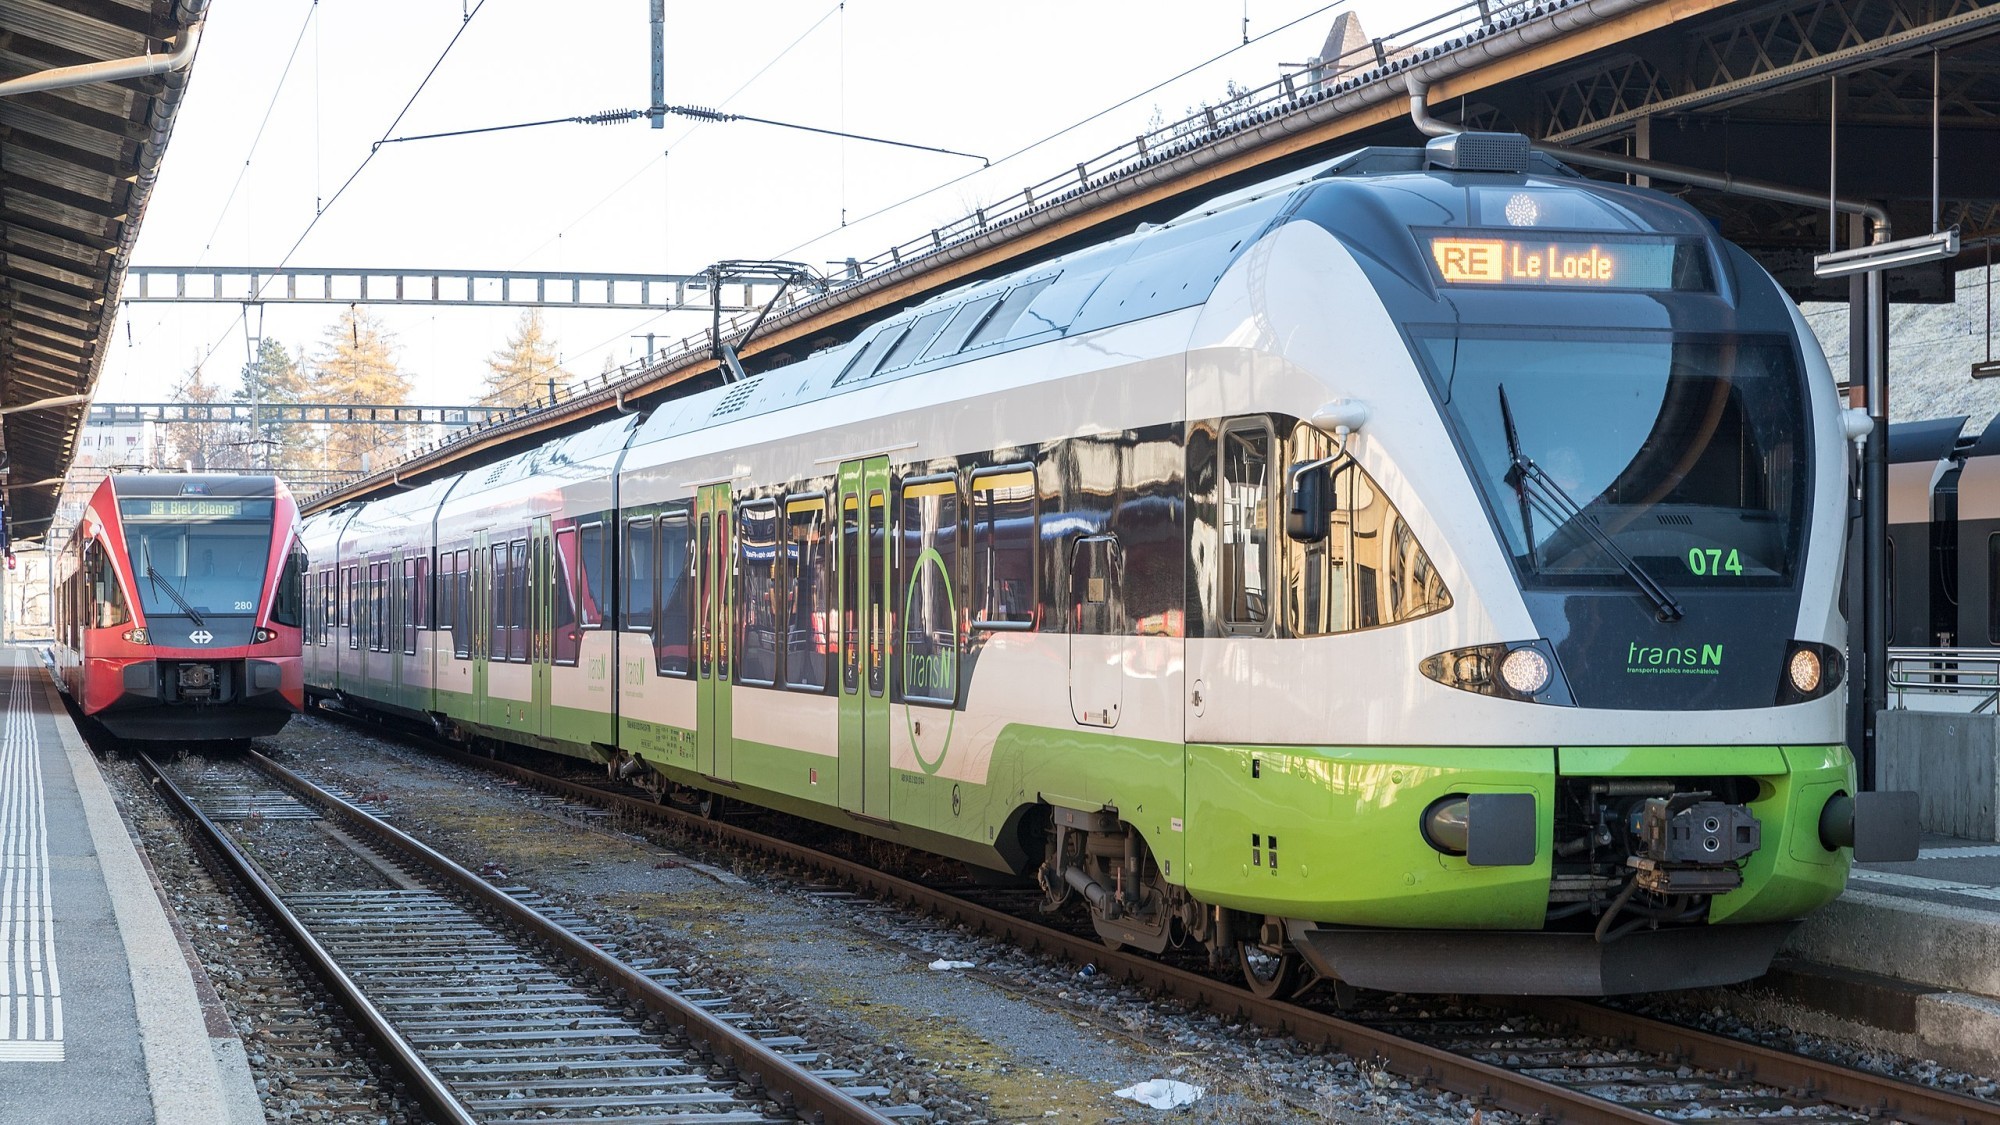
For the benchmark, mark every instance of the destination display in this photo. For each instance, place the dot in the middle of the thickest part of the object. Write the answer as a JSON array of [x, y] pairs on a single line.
[[1560, 262], [189, 507]]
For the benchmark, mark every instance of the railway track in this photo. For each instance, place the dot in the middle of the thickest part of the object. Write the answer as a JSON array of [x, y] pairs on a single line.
[[1543, 1059], [491, 1005]]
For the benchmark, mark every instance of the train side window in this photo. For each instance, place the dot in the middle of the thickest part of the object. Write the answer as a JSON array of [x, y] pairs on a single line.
[[1369, 570], [928, 529], [107, 597], [590, 575], [447, 579], [636, 606], [673, 639], [496, 598], [757, 592], [1004, 533], [461, 606], [1890, 585], [329, 611], [412, 608], [807, 614], [517, 603], [878, 594], [378, 607], [288, 605], [568, 645], [1246, 527]]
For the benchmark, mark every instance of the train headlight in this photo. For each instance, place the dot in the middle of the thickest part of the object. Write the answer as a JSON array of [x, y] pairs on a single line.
[[1522, 670], [1811, 671], [138, 636], [262, 635], [1526, 671], [1805, 671]]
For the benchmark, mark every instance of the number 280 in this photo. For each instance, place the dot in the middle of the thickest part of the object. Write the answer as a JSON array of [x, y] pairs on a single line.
[[1711, 561]]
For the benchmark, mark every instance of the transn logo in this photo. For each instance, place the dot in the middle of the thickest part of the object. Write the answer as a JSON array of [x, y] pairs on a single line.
[[1675, 660]]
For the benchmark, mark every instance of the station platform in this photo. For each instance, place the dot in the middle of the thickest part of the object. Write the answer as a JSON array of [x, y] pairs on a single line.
[[102, 1016], [1910, 948]]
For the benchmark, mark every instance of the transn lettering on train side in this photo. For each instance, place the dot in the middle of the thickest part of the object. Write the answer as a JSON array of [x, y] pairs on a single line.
[[1496, 261]]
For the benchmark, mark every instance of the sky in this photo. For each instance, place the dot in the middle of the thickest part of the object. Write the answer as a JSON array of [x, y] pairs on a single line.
[[270, 161]]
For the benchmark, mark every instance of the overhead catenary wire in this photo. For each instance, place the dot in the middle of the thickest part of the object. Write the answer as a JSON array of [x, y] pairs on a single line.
[[1067, 129], [320, 211], [312, 9]]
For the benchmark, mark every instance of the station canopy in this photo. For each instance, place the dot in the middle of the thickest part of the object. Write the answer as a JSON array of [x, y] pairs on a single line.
[[77, 164]]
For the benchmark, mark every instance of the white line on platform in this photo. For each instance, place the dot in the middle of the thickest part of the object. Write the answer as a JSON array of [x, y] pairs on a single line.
[[1919, 883], [31, 1023]]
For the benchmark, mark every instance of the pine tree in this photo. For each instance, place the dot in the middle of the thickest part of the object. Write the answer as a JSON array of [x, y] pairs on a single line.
[[519, 374], [356, 365], [274, 377]]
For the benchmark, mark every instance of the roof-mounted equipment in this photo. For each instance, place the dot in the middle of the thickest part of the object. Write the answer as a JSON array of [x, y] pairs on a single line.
[[1478, 152]]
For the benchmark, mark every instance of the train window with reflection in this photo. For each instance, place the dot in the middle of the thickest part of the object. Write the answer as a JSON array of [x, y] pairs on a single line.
[[636, 606], [757, 592], [499, 571], [447, 589], [807, 612], [108, 608], [928, 529], [461, 619], [1004, 533], [413, 606], [517, 602], [673, 636], [1246, 527], [377, 611], [590, 576], [1368, 571], [288, 607]]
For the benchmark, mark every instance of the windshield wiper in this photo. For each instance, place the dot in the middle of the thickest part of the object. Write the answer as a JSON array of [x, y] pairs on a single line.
[[1539, 492], [160, 581]]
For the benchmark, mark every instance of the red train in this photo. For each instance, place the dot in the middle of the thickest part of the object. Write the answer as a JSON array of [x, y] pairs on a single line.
[[178, 607]]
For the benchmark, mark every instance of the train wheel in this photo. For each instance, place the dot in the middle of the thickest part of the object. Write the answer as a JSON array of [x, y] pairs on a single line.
[[1268, 972], [711, 806]]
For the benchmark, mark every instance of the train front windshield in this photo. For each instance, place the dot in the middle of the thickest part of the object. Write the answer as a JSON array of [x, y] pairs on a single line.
[[197, 553], [1685, 454]]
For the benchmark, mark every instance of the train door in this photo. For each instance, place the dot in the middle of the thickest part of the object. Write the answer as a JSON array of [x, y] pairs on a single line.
[[715, 552], [541, 621], [864, 636], [1096, 633]]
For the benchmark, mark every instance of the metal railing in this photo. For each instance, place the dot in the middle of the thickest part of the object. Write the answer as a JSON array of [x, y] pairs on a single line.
[[1379, 60], [1964, 675]]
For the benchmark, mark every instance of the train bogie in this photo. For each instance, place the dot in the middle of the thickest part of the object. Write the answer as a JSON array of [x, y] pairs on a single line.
[[1341, 560]]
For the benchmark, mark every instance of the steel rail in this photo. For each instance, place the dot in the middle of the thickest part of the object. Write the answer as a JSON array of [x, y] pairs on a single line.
[[792, 1086], [424, 1084], [1493, 1086], [1878, 1095]]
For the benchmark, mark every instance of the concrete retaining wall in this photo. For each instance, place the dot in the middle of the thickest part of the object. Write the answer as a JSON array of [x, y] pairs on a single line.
[[1950, 761]]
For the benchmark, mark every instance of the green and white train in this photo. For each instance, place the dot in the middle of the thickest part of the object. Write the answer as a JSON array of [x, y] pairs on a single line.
[[1422, 568]]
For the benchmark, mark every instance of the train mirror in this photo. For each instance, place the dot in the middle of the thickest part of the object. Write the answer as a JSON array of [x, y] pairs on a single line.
[[1309, 501]]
